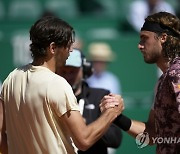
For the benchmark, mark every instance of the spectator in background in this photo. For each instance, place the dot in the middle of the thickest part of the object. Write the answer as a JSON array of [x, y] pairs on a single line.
[[140, 9], [79, 43], [101, 54], [77, 69]]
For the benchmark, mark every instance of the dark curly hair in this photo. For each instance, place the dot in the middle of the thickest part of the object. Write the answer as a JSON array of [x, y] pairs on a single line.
[[171, 48], [50, 29]]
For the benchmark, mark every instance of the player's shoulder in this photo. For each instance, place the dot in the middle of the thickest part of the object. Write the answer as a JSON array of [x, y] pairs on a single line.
[[175, 64], [174, 68], [57, 79]]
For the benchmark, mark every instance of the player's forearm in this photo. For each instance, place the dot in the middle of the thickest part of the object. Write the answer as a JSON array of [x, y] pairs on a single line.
[[136, 128], [95, 130], [85, 136], [132, 127]]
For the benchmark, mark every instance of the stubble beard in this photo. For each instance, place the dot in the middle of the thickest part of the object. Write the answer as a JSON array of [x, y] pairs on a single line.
[[153, 58]]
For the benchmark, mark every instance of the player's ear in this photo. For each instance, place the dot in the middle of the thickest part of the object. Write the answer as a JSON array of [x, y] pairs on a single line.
[[163, 37], [52, 47]]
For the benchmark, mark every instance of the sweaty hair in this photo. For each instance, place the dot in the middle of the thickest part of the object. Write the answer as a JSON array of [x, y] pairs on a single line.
[[171, 25], [47, 30]]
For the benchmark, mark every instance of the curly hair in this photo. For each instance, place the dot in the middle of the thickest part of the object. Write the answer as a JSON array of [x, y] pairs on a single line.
[[171, 48], [49, 29]]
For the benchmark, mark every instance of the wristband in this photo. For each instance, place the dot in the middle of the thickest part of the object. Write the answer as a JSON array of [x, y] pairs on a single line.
[[123, 122]]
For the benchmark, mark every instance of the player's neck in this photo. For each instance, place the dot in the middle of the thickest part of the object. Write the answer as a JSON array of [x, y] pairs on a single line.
[[50, 64]]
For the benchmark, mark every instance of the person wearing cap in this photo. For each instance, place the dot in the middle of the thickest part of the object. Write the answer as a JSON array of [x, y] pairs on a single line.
[[160, 45], [39, 113], [100, 54], [76, 70]]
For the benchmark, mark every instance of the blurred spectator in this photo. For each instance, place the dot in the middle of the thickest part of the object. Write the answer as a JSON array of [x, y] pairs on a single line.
[[78, 44], [77, 69], [101, 54], [140, 9]]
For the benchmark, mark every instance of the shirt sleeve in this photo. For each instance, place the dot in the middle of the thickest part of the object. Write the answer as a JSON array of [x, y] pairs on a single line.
[[155, 92], [174, 75], [61, 97]]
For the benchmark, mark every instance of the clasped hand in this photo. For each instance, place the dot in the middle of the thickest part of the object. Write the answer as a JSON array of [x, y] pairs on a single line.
[[112, 101]]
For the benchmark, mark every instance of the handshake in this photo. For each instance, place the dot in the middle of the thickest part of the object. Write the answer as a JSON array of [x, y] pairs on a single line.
[[114, 105], [112, 102]]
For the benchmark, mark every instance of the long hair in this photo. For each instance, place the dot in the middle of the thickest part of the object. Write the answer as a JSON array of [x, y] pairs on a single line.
[[171, 48], [50, 29]]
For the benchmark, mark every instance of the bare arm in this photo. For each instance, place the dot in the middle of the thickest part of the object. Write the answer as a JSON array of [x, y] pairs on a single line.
[[84, 135], [138, 127], [133, 127], [3, 137]]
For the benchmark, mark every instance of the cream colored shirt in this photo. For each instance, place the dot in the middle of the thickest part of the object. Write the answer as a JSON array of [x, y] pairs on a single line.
[[35, 98]]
